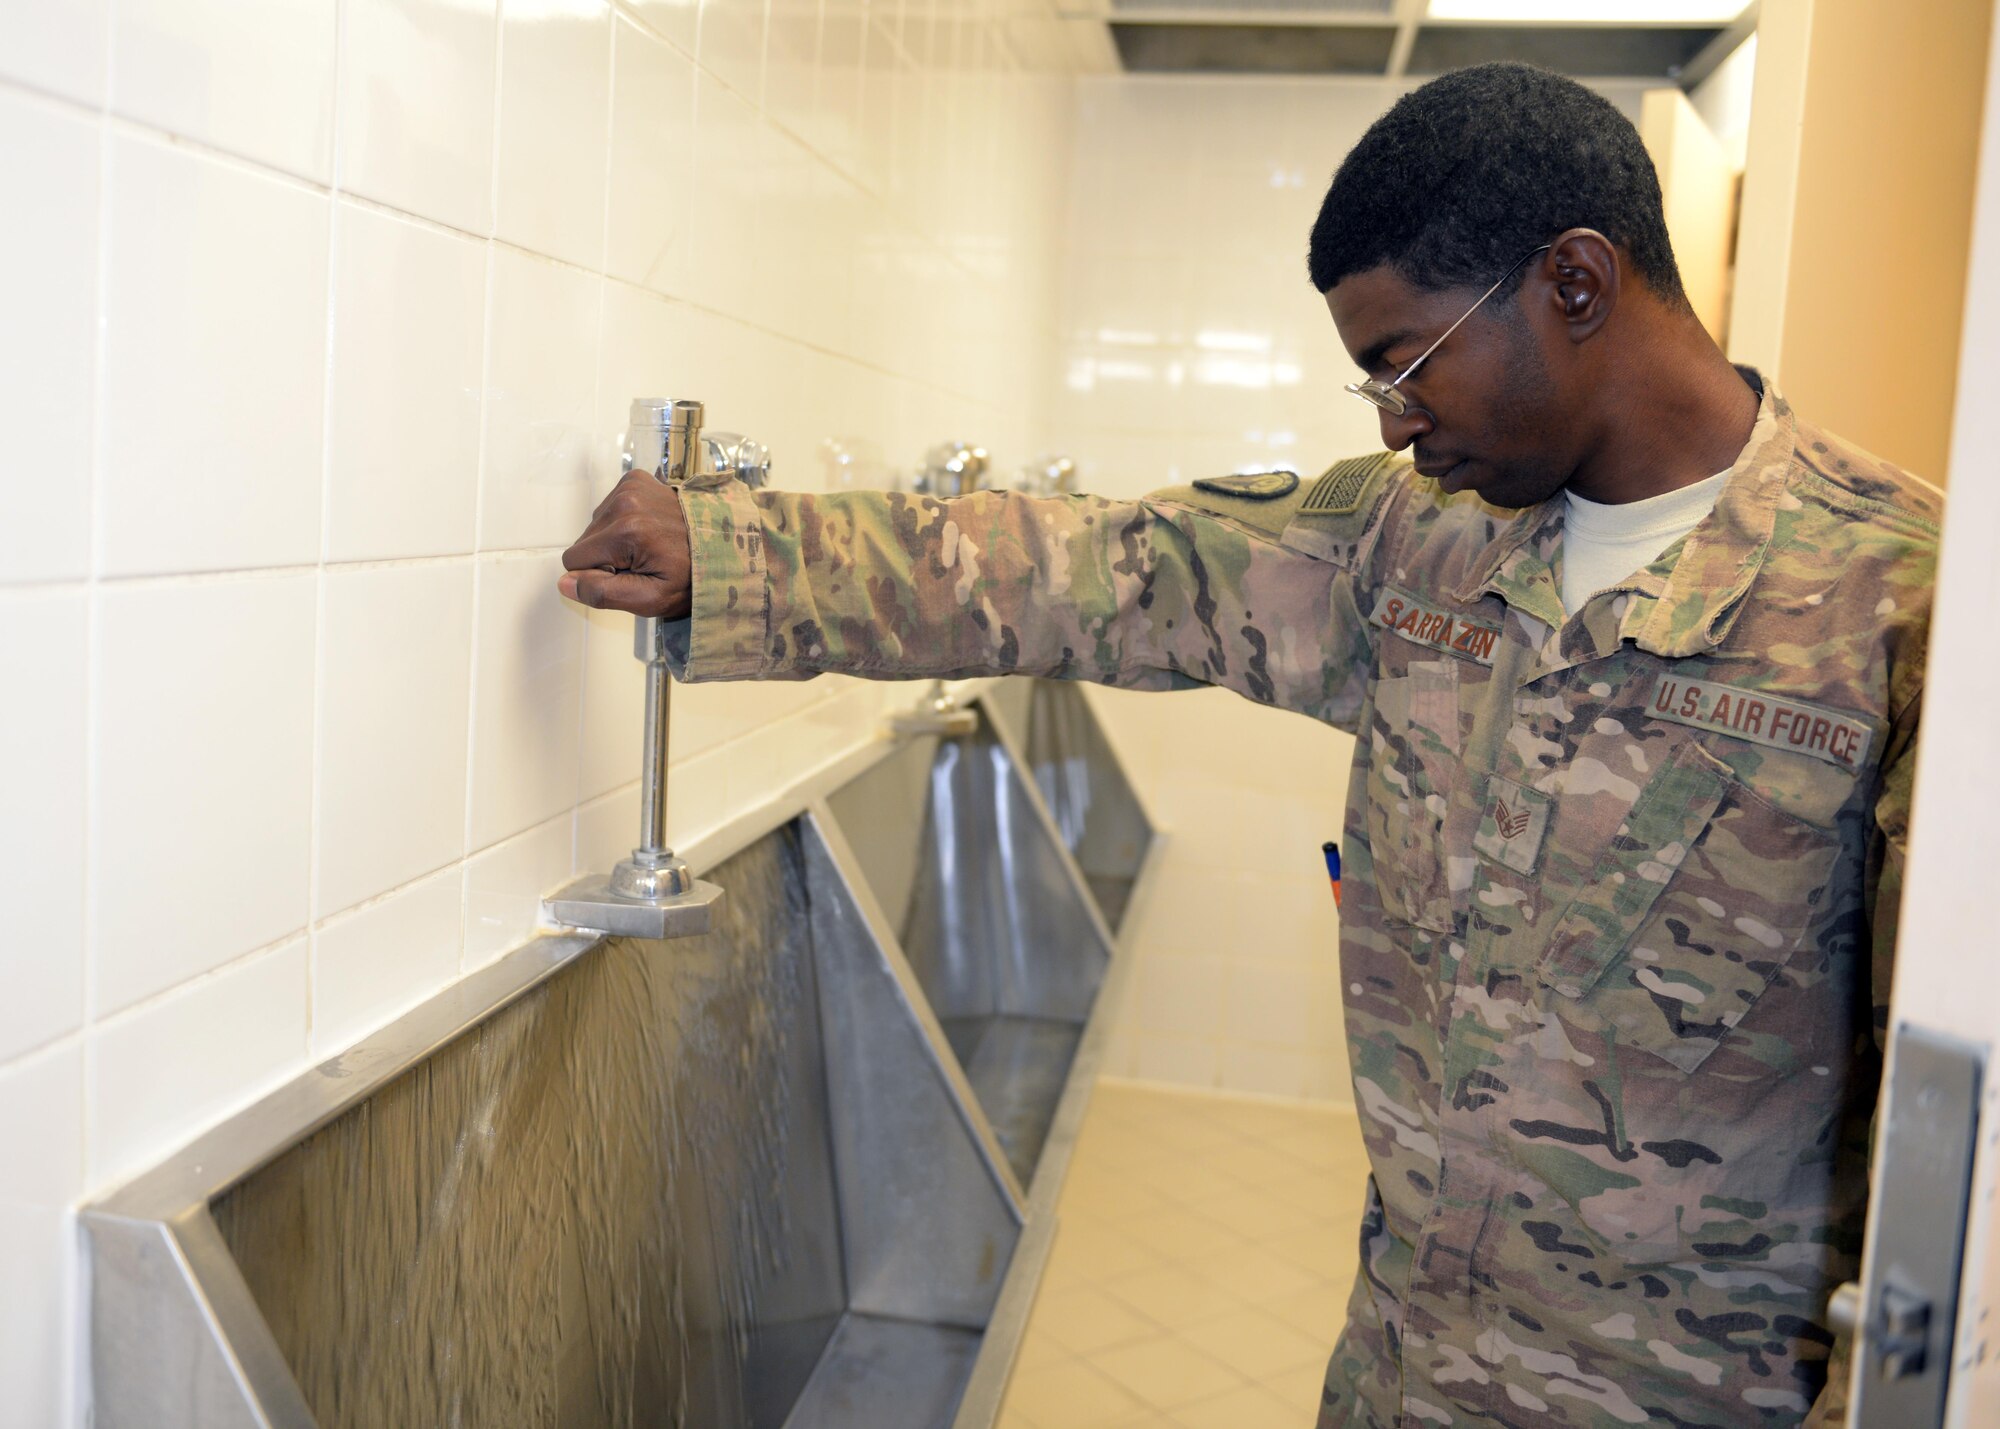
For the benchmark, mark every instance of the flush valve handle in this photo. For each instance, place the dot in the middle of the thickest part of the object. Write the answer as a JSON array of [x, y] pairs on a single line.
[[654, 894]]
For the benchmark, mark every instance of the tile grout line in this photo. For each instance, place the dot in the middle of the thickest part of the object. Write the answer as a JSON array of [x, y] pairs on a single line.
[[479, 597], [93, 681], [596, 409], [335, 158]]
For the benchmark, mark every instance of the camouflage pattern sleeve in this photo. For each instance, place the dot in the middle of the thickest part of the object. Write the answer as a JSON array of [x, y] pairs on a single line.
[[1188, 587]]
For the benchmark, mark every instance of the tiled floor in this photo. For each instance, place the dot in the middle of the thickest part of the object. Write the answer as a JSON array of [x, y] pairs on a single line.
[[1201, 1267]]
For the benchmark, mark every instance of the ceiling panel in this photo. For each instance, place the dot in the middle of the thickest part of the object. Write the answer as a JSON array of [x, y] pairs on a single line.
[[1598, 51], [1253, 49], [1304, 9]]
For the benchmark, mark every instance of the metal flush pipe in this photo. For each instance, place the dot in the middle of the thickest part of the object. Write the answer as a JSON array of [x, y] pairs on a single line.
[[653, 894]]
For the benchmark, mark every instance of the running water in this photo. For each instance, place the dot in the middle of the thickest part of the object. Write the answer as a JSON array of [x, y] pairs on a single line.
[[610, 1204]]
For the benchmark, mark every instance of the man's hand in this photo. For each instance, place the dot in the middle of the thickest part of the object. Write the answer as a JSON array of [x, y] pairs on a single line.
[[634, 554]]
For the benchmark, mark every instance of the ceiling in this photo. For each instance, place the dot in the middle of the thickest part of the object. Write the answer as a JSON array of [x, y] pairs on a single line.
[[1675, 41]]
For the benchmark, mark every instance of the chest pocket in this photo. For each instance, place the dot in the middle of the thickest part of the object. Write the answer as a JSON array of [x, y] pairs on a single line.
[[1414, 756], [1688, 916]]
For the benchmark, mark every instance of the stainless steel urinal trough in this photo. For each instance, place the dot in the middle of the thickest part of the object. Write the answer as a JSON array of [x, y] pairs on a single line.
[[798, 1171]]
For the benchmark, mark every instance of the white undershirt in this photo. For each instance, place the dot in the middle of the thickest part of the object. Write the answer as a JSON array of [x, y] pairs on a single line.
[[1604, 544]]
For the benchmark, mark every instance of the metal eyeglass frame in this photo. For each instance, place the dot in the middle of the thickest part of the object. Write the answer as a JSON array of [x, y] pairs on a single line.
[[1384, 394]]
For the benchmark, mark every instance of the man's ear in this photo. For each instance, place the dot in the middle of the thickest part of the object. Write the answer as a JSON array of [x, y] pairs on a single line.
[[1582, 271]]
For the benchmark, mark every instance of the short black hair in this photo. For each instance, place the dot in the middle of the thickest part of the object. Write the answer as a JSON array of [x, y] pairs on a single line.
[[1466, 174]]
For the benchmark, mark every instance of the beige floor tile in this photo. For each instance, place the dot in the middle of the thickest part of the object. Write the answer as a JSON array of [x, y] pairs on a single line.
[[1204, 1242], [1197, 1180], [1185, 1232], [1317, 1312], [1172, 1295], [1251, 1407], [1336, 1146], [1167, 1372], [1261, 1215], [1037, 1348], [1254, 1344], [1275, 1121], [1112, 1197], [1260, 1167], [1070, 1396], [1336, 1194], [1193, 1135], [1083, 1320], [1252, 1274], [1299, 1385], [1092, 1255], [1329, 1249]]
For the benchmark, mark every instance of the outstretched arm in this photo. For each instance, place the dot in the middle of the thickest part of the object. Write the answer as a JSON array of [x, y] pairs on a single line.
[[1162, 593]]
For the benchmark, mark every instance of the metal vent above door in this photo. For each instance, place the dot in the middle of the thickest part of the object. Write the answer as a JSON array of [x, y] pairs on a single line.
[[1395, 38]]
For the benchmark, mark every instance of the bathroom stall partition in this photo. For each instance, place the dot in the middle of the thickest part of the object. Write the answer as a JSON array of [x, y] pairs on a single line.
[[797, 1171]]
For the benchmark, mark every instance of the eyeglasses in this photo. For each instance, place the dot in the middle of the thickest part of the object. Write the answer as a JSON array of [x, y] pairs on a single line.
[[1384, 394]]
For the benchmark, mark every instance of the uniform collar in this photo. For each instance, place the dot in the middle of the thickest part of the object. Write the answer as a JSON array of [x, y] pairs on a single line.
[[1684, 602]]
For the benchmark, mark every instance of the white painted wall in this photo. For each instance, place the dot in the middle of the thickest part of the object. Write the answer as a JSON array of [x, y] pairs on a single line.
[[1723, 101], [320, 323], [1945, 976]]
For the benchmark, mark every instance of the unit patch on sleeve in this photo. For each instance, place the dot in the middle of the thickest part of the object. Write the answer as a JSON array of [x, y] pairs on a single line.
[[1764, 719], [1251, 485], [1413, 619]]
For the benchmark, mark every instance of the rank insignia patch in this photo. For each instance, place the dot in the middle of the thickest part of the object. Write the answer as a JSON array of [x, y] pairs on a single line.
[[1251, 485], [1511, 828]]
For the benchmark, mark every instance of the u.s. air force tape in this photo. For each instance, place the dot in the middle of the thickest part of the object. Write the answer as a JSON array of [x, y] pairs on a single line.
[[1413, 619], [1764, 718]]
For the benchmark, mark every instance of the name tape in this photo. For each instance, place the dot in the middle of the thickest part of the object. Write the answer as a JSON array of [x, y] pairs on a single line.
[[1405, 615], [1764, 719]]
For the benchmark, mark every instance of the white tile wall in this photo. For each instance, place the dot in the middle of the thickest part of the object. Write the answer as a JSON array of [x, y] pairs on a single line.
[[256, 80], [403, 414], [321, 326], [48, 289], [201, 1050], [555, 115], [213, 385], [41, 1105], [526, 698], [652, 140], [504, 884], [42, 817], [415, 120], [730, 44], [201, 814], [394, 686], [56, 45], [374, 962], [541, 387]]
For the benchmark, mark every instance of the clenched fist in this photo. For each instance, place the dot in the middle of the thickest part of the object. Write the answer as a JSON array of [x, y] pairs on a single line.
[[634, 554]]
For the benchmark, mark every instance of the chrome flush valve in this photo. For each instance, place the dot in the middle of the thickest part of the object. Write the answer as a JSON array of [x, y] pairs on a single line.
[[953, 469], [653, 894]]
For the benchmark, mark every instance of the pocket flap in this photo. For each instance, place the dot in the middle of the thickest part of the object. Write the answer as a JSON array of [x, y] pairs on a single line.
[[1644, 855]]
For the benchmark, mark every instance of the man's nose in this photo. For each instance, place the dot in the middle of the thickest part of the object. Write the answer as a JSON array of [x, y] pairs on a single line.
[[1399, 432]]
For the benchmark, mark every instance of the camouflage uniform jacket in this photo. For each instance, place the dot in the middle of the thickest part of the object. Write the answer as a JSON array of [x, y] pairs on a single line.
[[1621, 886]]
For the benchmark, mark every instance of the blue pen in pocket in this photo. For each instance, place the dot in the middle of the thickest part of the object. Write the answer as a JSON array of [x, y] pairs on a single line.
[[1332, 852]]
